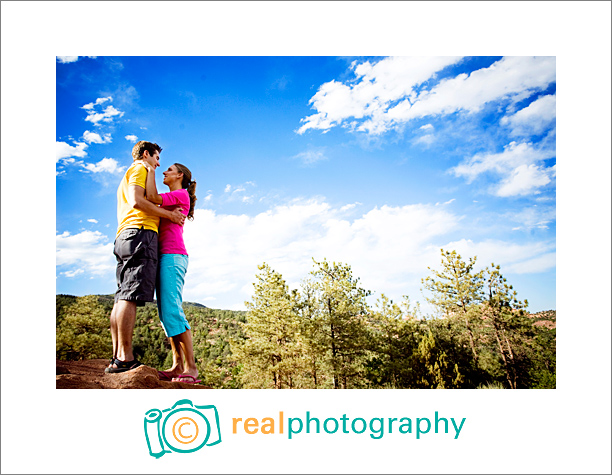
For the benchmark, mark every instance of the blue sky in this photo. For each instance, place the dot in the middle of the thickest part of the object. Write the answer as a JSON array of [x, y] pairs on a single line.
[[377, 162]]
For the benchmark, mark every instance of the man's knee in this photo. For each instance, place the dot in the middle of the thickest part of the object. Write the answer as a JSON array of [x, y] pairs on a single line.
[[124, 308]]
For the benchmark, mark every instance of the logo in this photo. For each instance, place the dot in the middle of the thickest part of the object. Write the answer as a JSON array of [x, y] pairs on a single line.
[[183, 428]]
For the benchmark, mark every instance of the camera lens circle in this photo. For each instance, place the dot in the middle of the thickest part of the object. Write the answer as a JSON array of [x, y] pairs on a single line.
[[185, 430]]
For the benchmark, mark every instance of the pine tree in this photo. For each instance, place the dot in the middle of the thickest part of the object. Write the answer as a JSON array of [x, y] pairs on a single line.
[[505, 313], [457, 290], [439, 372], [394, 342], [342, 308], [317, 368], [271, 356]]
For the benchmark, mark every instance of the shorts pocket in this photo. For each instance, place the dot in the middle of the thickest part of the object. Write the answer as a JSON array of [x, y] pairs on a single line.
[[129, 234]]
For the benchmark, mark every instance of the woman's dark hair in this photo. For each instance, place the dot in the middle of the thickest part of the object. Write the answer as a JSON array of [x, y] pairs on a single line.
[[188, 185]]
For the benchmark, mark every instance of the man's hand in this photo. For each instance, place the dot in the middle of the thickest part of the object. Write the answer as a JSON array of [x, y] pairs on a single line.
[[177, 216]]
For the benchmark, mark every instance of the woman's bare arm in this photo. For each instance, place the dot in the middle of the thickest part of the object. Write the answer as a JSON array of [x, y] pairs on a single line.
[[137, 200], [151, 188]]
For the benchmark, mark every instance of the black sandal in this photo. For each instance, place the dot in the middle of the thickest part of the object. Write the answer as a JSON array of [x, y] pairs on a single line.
[[122, 366]]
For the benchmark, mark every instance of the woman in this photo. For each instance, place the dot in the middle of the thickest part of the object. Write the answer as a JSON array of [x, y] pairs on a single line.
[[172, 267]]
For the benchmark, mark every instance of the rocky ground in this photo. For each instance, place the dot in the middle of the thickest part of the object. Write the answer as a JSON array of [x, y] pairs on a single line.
[[89, 374]]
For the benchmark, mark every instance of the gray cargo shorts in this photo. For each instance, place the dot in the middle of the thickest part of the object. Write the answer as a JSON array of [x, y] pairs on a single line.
[[136, 253]]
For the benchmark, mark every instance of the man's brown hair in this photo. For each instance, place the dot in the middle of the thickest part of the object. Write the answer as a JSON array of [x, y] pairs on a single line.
[[140, 148]]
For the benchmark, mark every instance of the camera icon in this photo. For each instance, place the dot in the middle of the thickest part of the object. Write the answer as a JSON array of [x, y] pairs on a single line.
[[183, 428]]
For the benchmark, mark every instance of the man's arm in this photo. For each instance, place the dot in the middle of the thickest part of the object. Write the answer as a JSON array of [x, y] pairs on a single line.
[[152, 194], [136, 199]]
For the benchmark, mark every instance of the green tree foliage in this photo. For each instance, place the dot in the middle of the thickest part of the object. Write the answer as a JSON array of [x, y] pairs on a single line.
[[149, 341], [504, 316], [212, 331], [341, 311], [456, 290], [542, 370], [325, 334], [394, 340], [271, 356], [437, 370], [82, 329]]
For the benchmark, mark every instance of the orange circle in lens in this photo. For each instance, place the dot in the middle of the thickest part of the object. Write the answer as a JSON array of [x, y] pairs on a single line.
[[190, 437]]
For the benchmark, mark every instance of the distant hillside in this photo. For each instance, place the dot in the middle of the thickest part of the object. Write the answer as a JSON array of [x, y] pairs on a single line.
[[546, 318], [111, 298]]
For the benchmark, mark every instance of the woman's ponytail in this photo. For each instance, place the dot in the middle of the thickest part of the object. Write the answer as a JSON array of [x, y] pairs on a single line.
[[188, 185]]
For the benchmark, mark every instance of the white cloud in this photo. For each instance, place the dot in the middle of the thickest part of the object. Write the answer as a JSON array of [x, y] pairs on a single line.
[[106, 165], [311, 157], [107, 116], [374, 89], [131, 138], [425, 139], [349, 206], [72, 273], [505, 78], [524, 180], [91, 220], [64, 151], [534, 119], [71, 59], [373, 98], [534, 217], [226, 249], [389, 248], [87, 250], [518, 166], [67, 59], [513, 258], [92, 137], [99, 100], [538, 264], [237, 193]]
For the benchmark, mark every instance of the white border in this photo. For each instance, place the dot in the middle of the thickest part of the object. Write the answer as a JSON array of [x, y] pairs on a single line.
[[564, 430]]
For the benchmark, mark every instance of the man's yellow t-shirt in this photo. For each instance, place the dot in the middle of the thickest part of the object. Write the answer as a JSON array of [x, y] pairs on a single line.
[[128, 217]]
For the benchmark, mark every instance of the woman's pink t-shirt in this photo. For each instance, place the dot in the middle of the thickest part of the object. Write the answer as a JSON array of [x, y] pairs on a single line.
[[171, 234]]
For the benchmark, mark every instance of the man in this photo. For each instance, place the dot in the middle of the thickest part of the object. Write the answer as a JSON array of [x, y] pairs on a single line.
[[136, 253]]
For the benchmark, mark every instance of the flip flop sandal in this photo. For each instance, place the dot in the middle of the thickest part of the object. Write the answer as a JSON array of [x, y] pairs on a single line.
[[164, 375], [186, 378], [123, 366]]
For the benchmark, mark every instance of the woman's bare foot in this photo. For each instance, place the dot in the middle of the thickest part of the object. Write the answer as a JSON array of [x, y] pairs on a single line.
[[190, 376], [168, 374], [175, 370]]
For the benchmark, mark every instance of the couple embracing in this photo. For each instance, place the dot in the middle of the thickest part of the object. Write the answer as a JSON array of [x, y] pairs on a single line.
[[151, 258]]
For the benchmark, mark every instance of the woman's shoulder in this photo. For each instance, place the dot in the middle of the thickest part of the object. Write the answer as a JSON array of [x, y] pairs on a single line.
[[180, 195], [183, 193]]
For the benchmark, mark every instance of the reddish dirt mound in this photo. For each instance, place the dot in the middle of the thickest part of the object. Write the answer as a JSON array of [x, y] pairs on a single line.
[[89, 374]]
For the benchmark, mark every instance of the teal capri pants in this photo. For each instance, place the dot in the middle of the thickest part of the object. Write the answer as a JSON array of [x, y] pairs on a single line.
[[171, 272]]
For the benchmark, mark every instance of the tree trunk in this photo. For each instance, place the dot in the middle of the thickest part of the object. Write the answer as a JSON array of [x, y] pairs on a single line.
[[511, 355], [471, 335], [503, 355], [333, 345]]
